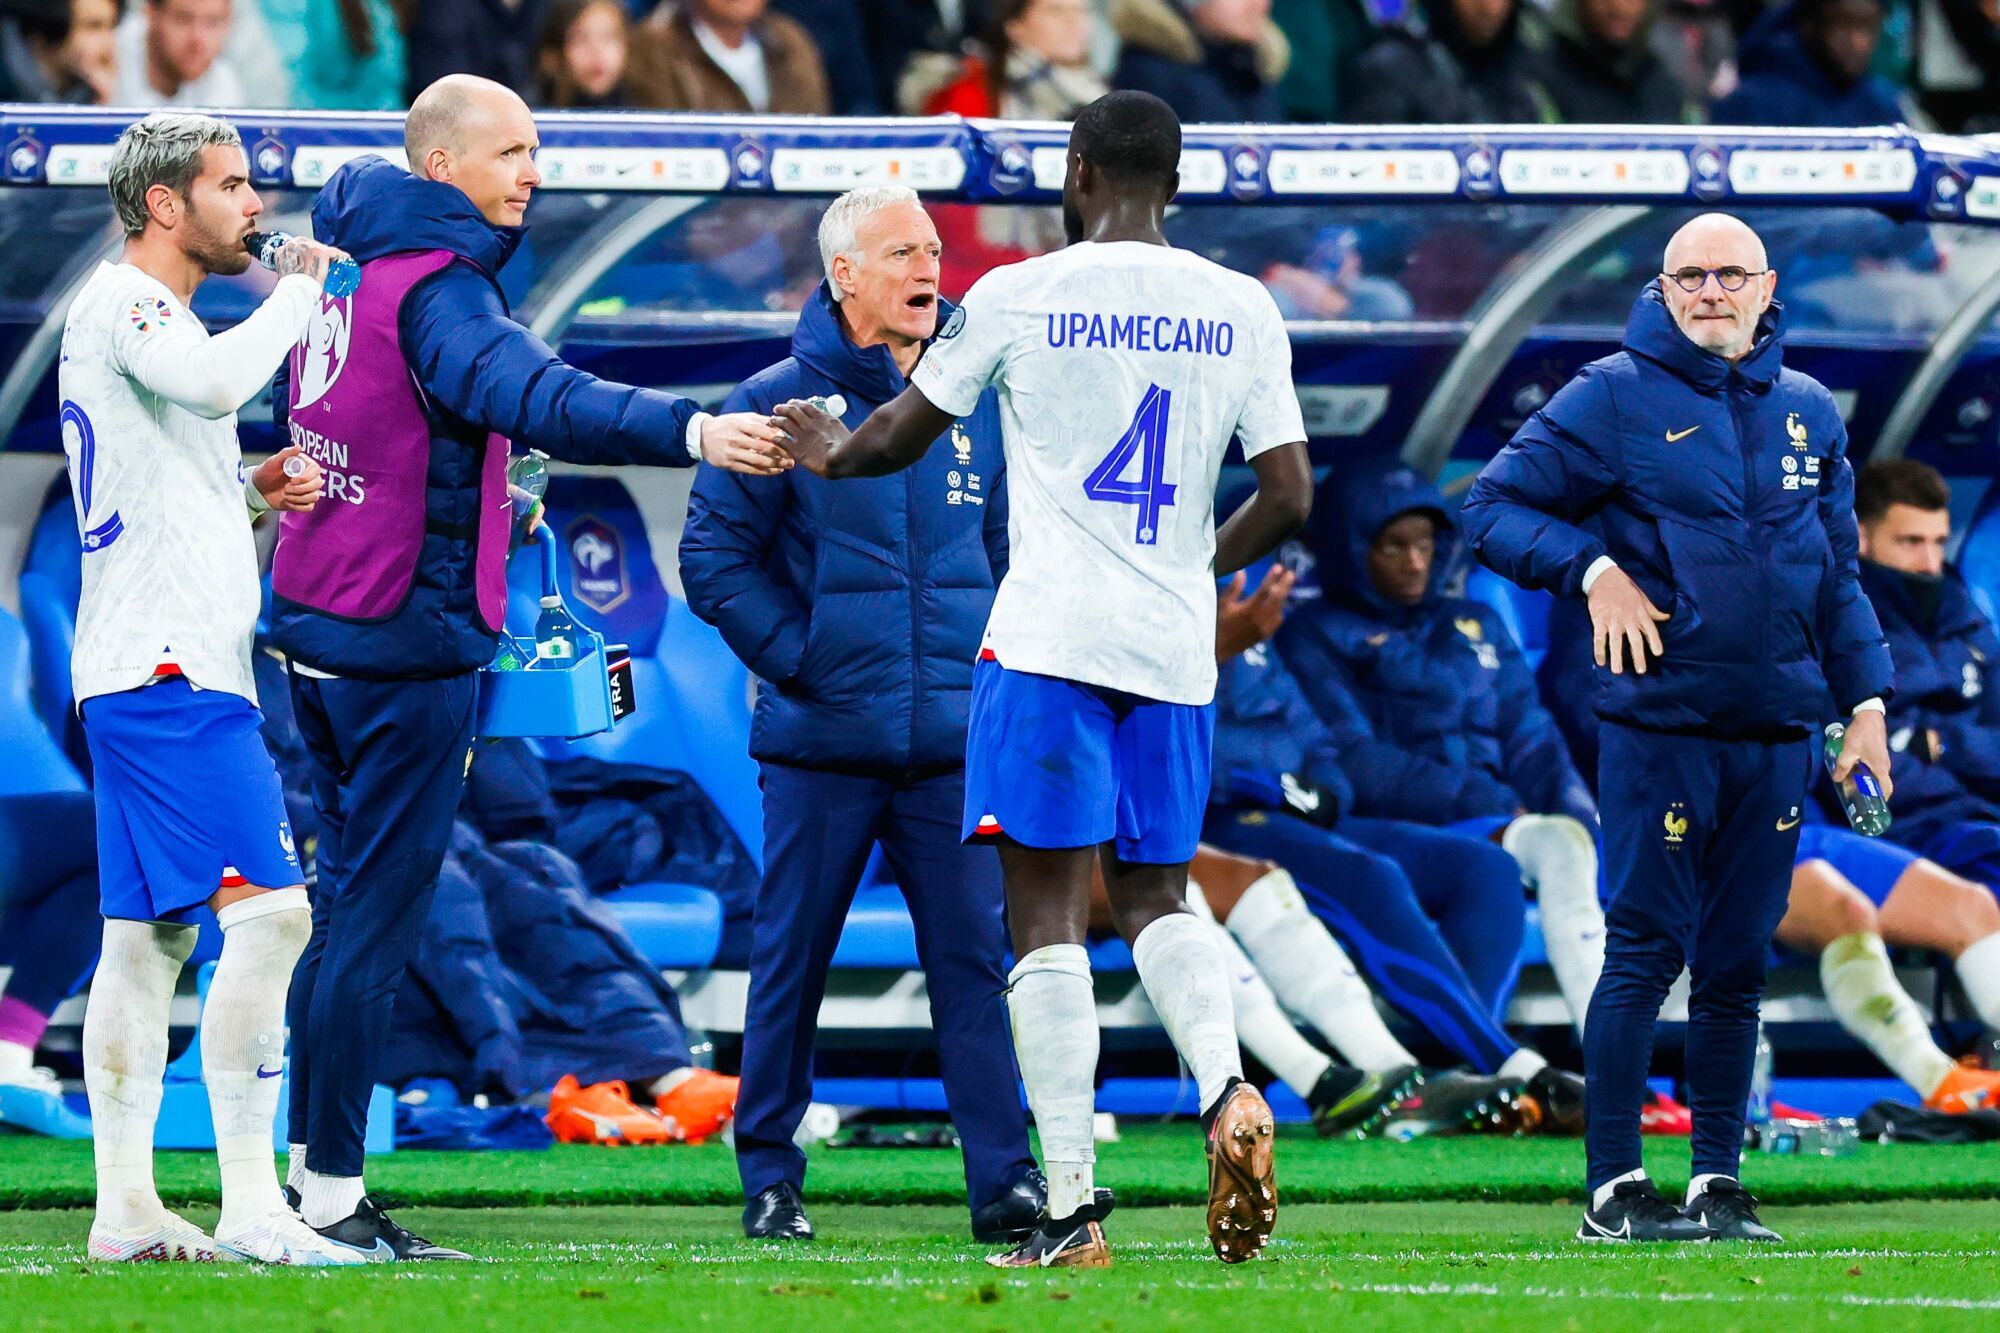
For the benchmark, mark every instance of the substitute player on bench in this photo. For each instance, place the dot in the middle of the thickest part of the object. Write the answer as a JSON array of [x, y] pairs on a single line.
[[187, 796], [1124, 368]]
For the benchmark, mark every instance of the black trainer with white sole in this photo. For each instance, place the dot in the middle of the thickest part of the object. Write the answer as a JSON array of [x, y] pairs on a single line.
[[374, 1234], [1730, 1211], [1636, 1212]]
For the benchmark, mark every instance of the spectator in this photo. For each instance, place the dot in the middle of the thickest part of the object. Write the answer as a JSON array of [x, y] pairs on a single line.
[[1698, 43], [735, 56], [898, 31], [585, 58], [341, 55], [32, 33], [90, 56], [1806, 65], [170, 53], [1212, 61], [1326, 37], [1602, 69], [1032, 64], [1469, 65], [1327, 282], [494, 39], [839, 29]]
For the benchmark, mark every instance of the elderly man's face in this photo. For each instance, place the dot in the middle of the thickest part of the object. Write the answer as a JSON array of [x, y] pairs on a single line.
[[1714, 318], [892, 283], [492, 157]]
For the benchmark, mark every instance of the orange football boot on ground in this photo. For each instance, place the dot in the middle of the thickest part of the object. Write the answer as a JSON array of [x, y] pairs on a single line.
[[602, 1113], [700, 1104], [1966, 1088], [1663, 1115]]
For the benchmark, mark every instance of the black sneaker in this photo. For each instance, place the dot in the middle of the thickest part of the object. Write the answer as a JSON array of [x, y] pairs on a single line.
[[777, 1213], [1352, 1104], [1457, 1102], [1730, 1211], [1076, 1241], [293, 1199], [1636, 1212], [1558, 1094], [1013, 1217], [372, 1232]]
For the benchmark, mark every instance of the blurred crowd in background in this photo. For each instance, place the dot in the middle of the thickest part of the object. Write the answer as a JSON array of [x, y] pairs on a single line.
[[1803, 63]]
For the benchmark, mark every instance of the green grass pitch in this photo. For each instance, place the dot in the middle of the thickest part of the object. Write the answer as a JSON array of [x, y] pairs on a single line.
[[1441, 1235]]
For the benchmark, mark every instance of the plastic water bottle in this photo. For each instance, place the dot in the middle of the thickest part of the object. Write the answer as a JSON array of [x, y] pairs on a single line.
[[1860, 795], [1834, 1137], [527, 483], [555, 634], [1759, 1109], [834, 405], [342, 275]]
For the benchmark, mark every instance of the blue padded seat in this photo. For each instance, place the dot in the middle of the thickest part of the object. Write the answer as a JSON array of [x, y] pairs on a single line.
[[1526, 613], [672, 925], [878, 933]]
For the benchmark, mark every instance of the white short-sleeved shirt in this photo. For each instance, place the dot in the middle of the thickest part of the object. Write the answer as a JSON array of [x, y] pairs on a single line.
[[1122, 369], [169, 562]]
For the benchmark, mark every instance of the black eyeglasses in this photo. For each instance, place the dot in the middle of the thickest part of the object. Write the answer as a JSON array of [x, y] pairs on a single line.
[[1730, 277]]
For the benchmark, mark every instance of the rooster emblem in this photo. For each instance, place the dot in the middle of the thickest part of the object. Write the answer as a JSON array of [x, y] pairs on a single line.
[[1797, 430], [1676, 825]]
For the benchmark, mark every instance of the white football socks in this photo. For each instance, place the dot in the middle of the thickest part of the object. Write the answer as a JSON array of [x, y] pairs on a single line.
[[124, 1058], [16, 1062], [243, 1043], [1310, 973], [324, 1200], [1182, 970], [1602, 1194], [1875, 1009], [1558, 857], [1264, 1029], [1054, 1015], [1979, 972]]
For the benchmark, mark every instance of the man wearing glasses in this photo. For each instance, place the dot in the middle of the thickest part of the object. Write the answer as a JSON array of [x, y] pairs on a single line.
[[1697, 494]]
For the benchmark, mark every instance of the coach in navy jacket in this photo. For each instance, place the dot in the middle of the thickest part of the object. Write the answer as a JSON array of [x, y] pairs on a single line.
[[860, 607], [1696, 490], [1433, 705]]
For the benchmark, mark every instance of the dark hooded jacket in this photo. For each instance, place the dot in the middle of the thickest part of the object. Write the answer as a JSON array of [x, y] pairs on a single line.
[[860, 602], [1724, 491], [479, 371], [1944, 723], [1784, 85], [1596, 83], [1433, 706], [1431, 73]]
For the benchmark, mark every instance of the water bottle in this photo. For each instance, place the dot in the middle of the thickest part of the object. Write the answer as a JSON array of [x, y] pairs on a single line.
[[342, 275], [1860, 794], [527, 483], [1833, 1137], [834, 405], [555, 634], [1759, 1109]]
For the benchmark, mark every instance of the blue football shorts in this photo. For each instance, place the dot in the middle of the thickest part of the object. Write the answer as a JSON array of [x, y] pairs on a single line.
[[1056, 763], [188, 800], [1872, 864]]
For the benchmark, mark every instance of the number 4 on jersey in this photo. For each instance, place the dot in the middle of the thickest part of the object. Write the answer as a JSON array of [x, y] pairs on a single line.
[[1146, 437]]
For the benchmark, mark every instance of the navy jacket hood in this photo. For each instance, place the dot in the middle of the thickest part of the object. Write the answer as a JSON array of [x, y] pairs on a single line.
[[1352, 509], [375, 208]]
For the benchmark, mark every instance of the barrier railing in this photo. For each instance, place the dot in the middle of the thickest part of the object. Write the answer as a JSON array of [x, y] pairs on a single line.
[[1897, 170]]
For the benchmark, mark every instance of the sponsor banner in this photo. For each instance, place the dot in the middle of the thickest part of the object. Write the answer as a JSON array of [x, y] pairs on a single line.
[[1342, 410], [1203, 170], [311, 166], [1594, 171], [79, 163], [830, 170], [1363, 171], [1822, 171], [696, 169]]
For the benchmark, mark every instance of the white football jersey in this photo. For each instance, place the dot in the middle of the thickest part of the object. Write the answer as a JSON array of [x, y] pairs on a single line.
[[149, 424], [1122, 369]]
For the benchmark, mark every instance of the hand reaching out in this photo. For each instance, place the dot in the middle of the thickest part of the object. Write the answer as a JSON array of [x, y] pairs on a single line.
[[284, 492], [743, 442]]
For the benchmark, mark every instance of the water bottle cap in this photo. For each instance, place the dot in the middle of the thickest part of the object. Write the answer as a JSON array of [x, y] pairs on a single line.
[[551, 602]]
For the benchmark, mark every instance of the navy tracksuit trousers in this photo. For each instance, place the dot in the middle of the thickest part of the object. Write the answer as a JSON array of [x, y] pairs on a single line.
[[388, 762], [819, 828], [1699, 836]]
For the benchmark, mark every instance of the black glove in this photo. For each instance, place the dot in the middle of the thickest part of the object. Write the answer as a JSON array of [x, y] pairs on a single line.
[[1308, 800]]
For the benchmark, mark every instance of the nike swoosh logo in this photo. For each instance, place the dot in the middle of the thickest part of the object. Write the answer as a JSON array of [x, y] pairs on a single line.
[[379, 1253], [269, 1073], [1675, 437], [1624, 1231], [1783, 827]]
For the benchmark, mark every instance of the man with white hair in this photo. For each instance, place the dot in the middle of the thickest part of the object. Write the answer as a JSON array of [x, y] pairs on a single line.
[[1698, 495], [189, 811], [860, 608]]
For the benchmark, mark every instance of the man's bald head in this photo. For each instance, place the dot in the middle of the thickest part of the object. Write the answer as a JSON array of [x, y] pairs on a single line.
[[1718, 283], [480, 136]]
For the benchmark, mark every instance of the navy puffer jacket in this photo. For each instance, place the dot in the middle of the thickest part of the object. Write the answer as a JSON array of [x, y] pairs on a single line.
[[1433, 706], [860, 603], [1725, 492]]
